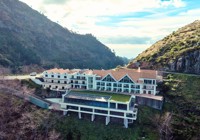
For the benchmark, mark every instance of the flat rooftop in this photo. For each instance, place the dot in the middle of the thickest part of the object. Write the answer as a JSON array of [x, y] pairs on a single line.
[[86, 96], [160, 98], [100, 95]]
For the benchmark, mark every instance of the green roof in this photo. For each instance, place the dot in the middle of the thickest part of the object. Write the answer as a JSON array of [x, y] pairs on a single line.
[[114, 96]]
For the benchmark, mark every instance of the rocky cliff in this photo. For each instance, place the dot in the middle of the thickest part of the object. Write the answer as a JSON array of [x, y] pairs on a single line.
[[179, 51], [188, 63]]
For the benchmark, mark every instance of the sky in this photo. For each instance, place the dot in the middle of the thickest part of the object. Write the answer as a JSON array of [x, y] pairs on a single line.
[[127, 27]]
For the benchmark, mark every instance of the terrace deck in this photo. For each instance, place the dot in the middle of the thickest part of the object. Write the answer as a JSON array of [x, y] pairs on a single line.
[[114, 96]]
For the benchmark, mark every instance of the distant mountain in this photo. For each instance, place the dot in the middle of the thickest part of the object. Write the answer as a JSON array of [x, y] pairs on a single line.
[[28, 37], [179, 51]]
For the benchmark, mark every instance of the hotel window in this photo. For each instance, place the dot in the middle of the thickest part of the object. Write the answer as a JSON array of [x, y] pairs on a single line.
[[90, 79], [52, 75], [119, 90], [108, 84], [148, 81], [137, 86], [65, 76], [46, 75], [58, 81], [132, 86], [98, 78], [58, 76], [65, 82], [126, 86], [119, 85], [102, 84], [126, 90], [122, 106], [51, 81]]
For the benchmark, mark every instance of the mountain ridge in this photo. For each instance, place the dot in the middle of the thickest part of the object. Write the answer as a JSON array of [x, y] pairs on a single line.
[[179, 51], [28, 37]]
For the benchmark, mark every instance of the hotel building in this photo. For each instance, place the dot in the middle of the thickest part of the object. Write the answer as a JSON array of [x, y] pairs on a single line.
[[109, 93], [117, 80]]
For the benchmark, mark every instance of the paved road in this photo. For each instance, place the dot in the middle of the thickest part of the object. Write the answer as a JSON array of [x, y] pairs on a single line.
[[169, 72], [20, 77]]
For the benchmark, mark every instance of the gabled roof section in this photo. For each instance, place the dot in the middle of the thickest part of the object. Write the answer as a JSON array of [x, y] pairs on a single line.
[[133, 74], [126, 79], [109, 78]]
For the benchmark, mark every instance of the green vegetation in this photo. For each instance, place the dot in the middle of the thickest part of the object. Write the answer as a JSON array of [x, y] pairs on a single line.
[[180, 43], [183, 97], [46, 43], [73, 128], [114, 96]]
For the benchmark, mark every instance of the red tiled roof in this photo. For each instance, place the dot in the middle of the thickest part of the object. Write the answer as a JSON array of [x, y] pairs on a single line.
[[55, 70], [134, 74], [61, 71], [117, 74]]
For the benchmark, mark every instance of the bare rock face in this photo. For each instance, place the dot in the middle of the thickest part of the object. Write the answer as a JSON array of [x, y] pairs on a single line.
[[188, 63]]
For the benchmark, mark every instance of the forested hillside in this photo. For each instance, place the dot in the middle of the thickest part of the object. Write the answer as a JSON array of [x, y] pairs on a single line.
[[28, 37]]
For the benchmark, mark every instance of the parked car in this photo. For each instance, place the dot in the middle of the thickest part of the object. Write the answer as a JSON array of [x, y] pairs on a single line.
[[33, 73]]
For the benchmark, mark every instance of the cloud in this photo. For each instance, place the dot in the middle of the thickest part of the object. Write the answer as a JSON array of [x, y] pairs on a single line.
[[128, 50], [54, 1], [118, 22], [126, 40], [174, 3]]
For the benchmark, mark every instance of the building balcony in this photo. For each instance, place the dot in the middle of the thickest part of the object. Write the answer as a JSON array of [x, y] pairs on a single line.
[[49, 83], [148, 88], [78, 79]]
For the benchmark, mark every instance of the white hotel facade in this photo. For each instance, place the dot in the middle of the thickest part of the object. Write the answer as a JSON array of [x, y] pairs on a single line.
[[119, 80], [109, 93]]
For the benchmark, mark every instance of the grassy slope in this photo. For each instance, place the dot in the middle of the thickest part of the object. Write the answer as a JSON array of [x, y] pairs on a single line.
[[183, 97], [178, 43]]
